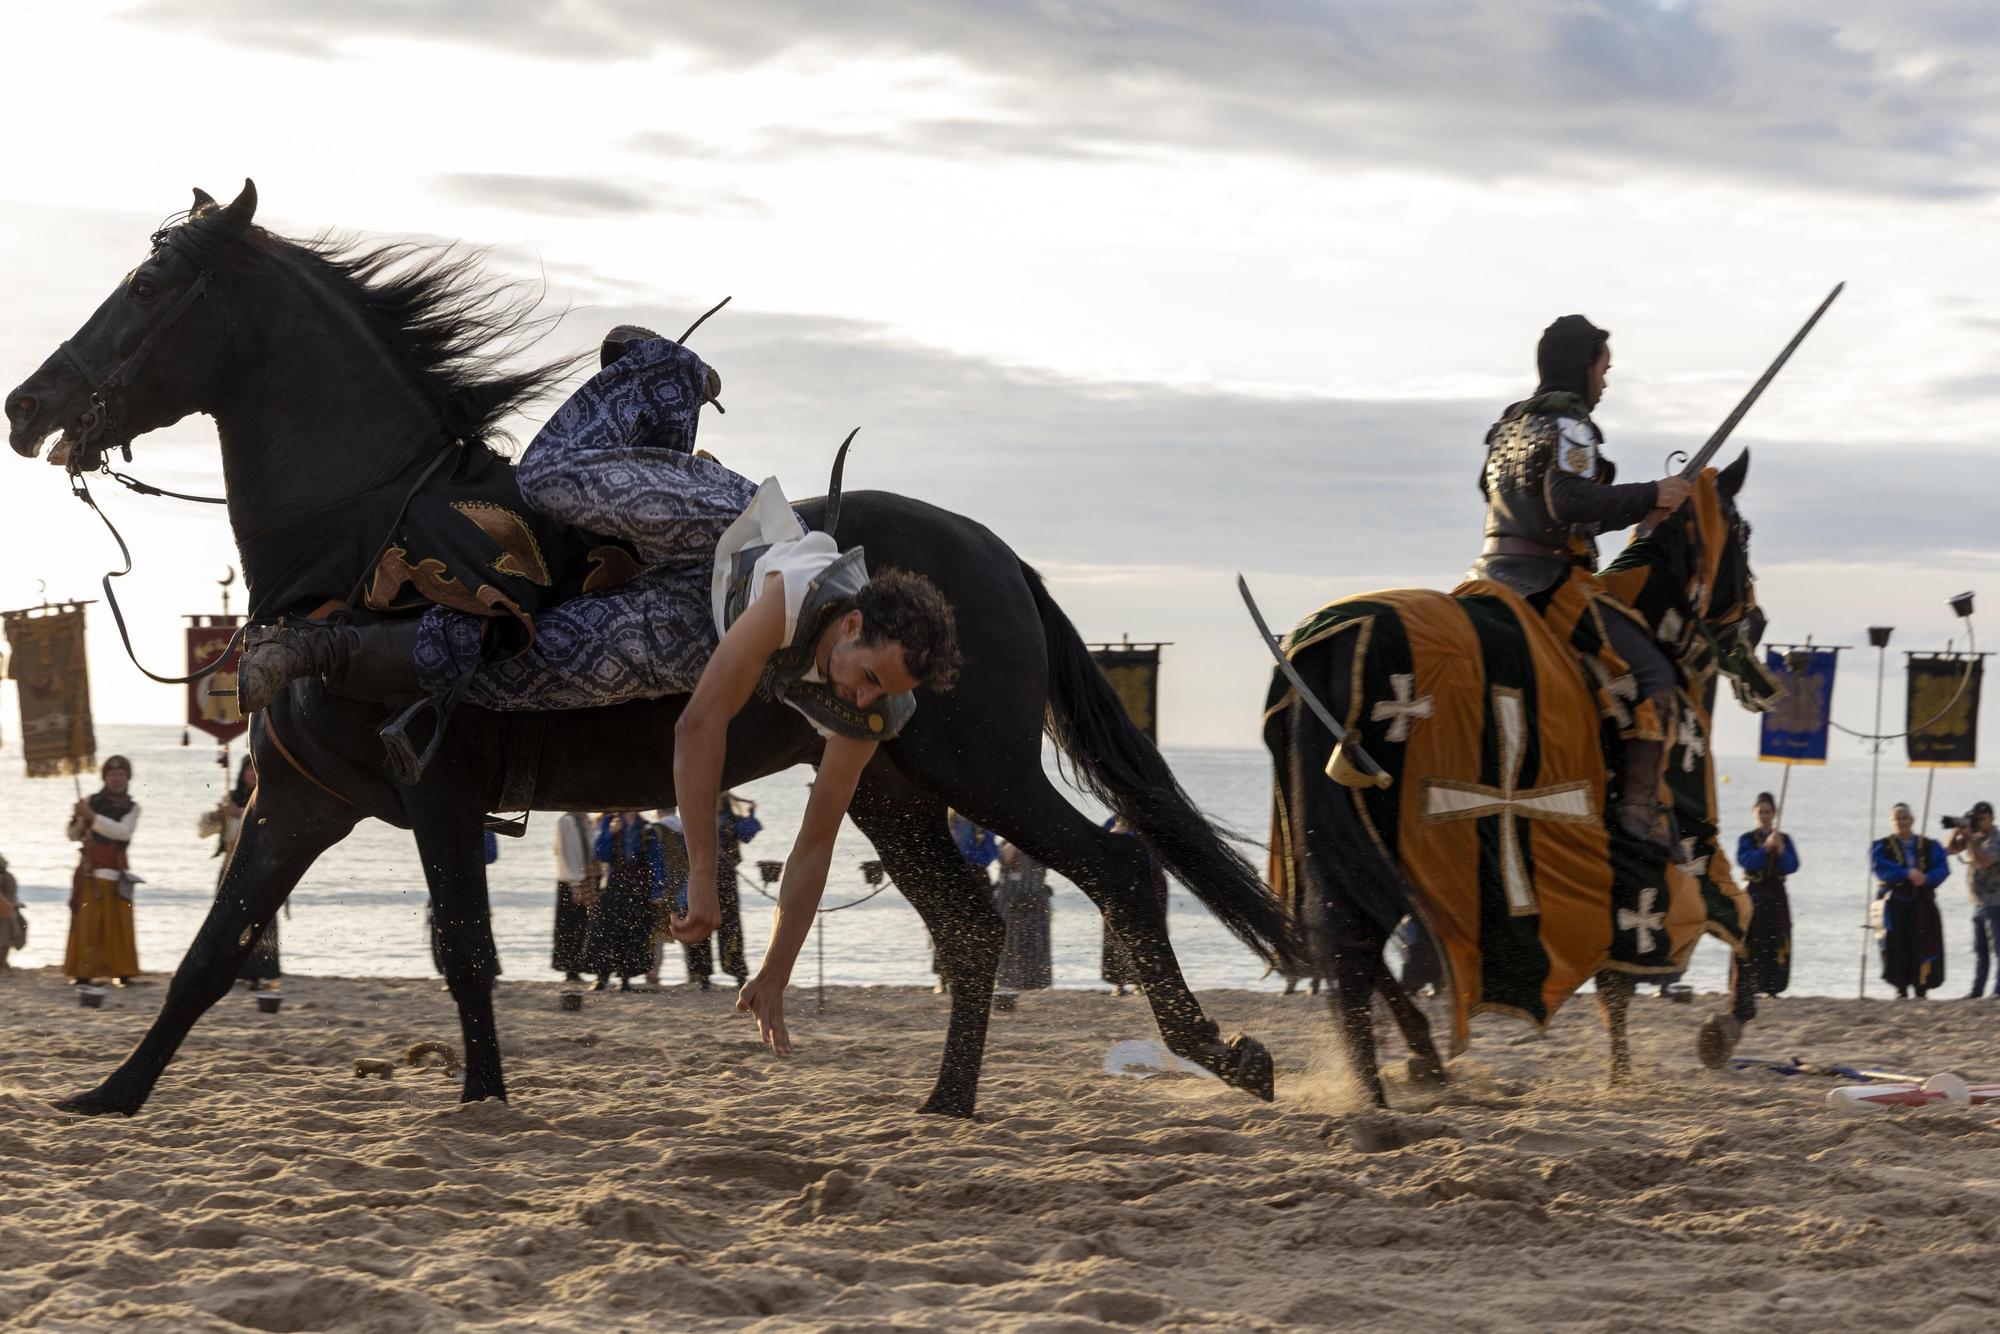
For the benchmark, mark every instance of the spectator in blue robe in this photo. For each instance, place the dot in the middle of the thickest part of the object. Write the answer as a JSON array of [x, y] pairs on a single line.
[[620, 943], [1767, 857], [1908, 870]]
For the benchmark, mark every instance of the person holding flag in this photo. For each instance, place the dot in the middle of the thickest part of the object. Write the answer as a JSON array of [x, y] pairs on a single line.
[[1767, 857]]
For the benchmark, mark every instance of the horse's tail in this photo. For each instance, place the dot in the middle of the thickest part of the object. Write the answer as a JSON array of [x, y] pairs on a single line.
[[1122, 769]]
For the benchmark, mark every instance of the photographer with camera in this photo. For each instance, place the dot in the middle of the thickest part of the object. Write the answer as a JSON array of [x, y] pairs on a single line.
[[1974, 835]]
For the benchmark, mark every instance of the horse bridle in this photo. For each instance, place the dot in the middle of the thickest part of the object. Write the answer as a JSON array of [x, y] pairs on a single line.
[[97, 419]]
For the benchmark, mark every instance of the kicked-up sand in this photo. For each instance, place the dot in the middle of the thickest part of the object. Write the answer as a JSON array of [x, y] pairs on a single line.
[[656, 1170]]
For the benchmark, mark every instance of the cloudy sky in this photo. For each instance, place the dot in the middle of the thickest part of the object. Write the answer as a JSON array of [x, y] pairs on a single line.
[[1157, 291]]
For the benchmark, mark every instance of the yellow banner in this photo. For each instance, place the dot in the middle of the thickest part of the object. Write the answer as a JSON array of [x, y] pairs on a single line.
[[50, 669], [1134, 673]]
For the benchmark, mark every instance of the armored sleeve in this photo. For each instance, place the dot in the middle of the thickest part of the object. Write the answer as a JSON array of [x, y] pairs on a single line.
[[1577, 486]]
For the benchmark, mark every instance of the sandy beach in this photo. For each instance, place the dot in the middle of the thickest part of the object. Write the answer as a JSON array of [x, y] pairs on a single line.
[[657, 1170]]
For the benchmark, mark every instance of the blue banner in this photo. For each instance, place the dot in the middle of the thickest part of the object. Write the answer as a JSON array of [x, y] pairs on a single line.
[[1796, 726]]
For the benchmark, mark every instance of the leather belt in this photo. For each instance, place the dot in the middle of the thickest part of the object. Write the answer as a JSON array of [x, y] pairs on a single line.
[[1523, 546]]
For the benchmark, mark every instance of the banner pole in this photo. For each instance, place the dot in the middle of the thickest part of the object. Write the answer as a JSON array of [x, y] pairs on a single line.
[[1874, 792], [1925, 823]]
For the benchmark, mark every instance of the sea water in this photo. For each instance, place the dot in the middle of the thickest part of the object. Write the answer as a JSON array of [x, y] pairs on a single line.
[[360, 910]]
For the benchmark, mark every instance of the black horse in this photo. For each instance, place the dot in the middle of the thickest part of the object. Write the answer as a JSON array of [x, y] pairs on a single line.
[[333, 371], [1348, 890]]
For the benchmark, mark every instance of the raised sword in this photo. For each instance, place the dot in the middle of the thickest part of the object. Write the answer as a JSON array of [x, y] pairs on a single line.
[[1707, 451], [1350, 765]]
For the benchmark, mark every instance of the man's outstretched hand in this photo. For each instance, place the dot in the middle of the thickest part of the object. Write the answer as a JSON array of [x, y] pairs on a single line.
[[765, 998], [704, 914]]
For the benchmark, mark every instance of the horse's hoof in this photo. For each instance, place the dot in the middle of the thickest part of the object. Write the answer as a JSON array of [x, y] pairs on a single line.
[[478, 1090], [1426, 1070], [1247, 1065], [939, 1104], [100, 1102], [1719, 1035]]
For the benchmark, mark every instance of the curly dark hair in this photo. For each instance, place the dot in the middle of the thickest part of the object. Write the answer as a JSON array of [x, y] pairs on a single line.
[[907, 609]]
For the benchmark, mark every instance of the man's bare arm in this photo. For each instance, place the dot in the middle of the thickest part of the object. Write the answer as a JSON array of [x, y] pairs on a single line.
[[804, 885], [701, 740]]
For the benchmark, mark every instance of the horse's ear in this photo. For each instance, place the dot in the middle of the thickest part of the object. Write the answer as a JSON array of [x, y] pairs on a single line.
[[1730, 480], [242, 208], [203, 202]]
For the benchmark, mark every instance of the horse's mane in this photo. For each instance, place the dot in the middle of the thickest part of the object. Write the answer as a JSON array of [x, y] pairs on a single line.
[[457, 330]]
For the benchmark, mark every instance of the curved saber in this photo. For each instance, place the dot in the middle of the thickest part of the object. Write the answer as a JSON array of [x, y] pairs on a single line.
[[1350, 749], [1707, 451]]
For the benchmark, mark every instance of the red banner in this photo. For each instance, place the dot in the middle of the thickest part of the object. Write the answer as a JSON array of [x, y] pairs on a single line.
[[208, 636]]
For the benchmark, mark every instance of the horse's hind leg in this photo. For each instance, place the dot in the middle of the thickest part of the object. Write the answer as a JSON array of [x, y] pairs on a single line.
[[1614, 999], [911, 833], [448, 840], [283, 833], [1110, 868]]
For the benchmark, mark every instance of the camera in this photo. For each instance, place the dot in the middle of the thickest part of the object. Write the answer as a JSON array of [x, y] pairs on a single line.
[[1956, 821]]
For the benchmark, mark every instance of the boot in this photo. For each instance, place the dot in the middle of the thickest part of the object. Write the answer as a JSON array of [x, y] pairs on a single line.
[[1640, 813], [624, 335], [365, 661]]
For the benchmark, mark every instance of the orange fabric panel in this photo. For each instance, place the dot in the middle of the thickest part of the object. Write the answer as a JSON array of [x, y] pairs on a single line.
[[1442, 861]]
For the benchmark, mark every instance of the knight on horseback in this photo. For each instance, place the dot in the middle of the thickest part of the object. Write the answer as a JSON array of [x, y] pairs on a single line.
[[735, 597], [1549, 493]]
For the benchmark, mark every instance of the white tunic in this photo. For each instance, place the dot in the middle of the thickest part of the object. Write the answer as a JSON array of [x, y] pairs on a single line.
[[796, 555]]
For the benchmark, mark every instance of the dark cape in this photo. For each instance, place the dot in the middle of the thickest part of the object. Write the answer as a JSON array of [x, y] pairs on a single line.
[[467, 541], [572, 917], [1022, 899], [1767, 959], [620, 942], [1912, 928]]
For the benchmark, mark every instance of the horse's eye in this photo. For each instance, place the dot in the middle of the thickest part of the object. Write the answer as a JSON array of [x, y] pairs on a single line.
[[143, 289]]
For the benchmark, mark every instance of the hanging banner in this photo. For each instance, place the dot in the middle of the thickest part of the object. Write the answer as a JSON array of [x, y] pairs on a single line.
[[1134, 673], [215, 714], [1943, 719], [49, 668], [1795, 728]]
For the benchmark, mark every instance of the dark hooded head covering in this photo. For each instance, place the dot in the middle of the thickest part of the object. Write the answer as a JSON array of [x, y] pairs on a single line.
[[1568, 349], [118, 807]]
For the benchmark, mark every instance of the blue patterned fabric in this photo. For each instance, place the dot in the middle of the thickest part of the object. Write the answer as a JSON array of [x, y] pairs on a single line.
[[616, 459]]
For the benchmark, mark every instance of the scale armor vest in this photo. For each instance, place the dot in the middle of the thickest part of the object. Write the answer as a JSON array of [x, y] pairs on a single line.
[[1520, 451], [830, 594]]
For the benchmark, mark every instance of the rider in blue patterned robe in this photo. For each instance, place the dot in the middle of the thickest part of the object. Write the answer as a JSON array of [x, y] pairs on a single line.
[[736, 598]]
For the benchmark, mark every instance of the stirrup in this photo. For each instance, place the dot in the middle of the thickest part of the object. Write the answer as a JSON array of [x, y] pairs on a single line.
[[404, 762]]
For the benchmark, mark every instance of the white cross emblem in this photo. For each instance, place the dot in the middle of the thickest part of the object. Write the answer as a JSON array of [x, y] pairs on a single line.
[[1644, 922], [1448, 799], [1692, 745], [1670, 628], [1621, 693], [1691, 861], [1403, 709]]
